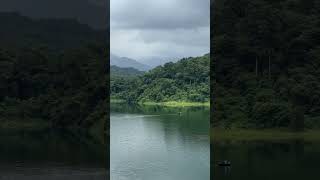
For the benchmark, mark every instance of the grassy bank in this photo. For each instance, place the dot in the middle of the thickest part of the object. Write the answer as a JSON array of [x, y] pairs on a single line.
[[168, 103], [177, 104], [117, 101], [268, 134]]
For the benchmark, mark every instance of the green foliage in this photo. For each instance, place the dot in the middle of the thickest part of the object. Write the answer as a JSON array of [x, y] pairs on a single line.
[[266, 62], [53, 70], [65, 89], [187, 80]]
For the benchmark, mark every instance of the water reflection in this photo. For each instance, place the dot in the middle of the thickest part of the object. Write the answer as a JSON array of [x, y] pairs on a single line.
[[226, 170], [51, 155], [291, 159], [158, 143]]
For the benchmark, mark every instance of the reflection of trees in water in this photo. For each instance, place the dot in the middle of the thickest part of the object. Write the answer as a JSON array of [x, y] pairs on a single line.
[[166, 136], [152, 109], [254, 159], [191, 128], [191, 125], [192, 121], [48, 147]]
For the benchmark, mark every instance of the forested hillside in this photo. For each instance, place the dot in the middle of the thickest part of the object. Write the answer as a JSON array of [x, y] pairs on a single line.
[[57, 78], [67, 89], [186, 80], [267, 63]]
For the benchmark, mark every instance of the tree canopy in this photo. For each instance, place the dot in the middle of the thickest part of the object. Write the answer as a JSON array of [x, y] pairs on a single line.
[[266, 62], [52, 70], [185, 80]]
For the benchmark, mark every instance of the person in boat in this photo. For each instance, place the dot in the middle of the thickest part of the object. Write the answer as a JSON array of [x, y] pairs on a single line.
[[224, 163]]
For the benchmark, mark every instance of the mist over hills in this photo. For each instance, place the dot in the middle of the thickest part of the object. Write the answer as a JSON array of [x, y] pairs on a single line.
[[158, 61], [125, 62], [143, 64]]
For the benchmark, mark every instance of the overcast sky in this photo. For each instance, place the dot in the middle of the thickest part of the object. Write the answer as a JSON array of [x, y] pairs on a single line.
[[141, 29]]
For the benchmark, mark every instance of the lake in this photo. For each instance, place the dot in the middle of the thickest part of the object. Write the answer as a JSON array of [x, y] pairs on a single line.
[[152, 142], [51, 156], [294, 159]]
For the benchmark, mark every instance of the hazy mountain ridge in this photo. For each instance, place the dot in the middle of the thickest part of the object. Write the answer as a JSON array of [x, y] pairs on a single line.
[[116, 71], [158, 61], [125, 62]]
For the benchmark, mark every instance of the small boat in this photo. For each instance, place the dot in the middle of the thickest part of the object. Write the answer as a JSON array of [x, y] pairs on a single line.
[[224, 163]]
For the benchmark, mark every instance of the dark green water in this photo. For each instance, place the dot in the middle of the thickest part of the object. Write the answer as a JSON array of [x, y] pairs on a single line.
[[266, 160], [156, 143], [51, 156]]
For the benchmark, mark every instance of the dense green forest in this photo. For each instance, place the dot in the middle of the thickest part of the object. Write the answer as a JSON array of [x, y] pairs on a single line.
[[266, 56], [52, 72], [186, 80]]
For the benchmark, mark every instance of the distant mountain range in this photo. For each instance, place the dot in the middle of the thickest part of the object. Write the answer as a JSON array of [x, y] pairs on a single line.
[[144, 64], [116, 71], [125, 62]]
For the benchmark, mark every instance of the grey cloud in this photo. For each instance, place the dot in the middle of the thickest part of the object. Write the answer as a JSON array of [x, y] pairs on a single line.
[[160, 14], [187, 37], [166, 29]]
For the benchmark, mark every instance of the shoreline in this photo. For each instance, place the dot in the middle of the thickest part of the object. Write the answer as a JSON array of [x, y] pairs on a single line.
[[263, 134], [167, 103], [177, 104], [117, 101]]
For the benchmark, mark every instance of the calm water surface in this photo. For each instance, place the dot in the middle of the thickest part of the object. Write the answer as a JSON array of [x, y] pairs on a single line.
[[51, 156], [156, 143], [267, 160]]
